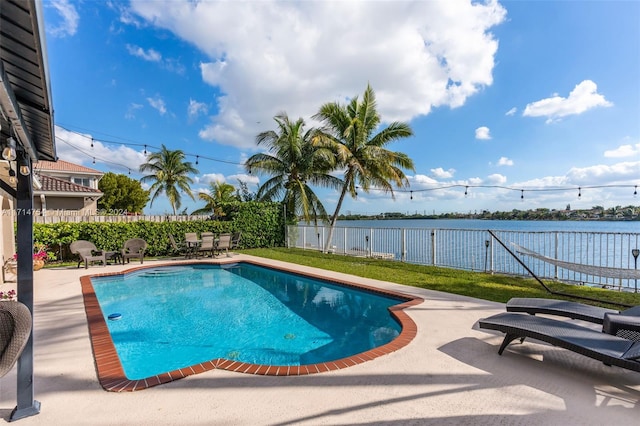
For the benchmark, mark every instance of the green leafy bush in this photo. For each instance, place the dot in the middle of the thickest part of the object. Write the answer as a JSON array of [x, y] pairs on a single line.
[[261, 225]]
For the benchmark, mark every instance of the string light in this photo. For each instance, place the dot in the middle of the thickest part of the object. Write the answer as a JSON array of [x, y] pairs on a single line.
[[466, 186]]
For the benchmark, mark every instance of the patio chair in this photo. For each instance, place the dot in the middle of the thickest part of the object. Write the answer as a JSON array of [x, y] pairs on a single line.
[[599, 345], [563, 308], [207, 244], [224, 243], [192, 242], [179, 248], [133, 248], [235, 240], [88, 253], [15, 329]]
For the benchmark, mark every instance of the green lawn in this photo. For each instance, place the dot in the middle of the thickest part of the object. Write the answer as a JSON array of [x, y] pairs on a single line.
[[498, 288]]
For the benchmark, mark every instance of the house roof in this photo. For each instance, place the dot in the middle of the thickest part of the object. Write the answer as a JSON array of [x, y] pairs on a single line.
[[49, 184], [25, 94], [64, 166]]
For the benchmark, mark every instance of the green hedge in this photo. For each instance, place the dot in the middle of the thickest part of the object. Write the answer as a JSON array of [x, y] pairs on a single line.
[[261, 225]]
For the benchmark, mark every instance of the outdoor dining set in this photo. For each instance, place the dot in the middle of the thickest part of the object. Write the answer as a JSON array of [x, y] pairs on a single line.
[[193, 246], [207, 244]]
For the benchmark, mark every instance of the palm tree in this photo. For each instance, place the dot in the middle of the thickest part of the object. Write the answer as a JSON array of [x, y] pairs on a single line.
[[349, 130], [220, 193], [294, 161], [169, 174]]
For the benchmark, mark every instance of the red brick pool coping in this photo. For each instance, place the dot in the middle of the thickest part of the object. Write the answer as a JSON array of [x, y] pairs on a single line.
[[112, 377]]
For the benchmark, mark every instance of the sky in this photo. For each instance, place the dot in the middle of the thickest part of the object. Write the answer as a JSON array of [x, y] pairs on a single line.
[[513, 104]]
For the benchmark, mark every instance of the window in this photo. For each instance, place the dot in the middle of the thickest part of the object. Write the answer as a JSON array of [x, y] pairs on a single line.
[[82, 181]]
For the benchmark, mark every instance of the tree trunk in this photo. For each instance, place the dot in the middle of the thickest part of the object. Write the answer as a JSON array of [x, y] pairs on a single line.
[[334, 218]]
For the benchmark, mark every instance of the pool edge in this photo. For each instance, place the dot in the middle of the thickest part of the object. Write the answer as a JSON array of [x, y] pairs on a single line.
[[112, 377]]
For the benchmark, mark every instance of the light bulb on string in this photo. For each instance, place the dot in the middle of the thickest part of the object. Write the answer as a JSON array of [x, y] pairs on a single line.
[[94, 160], [91, 142], [522, 194], [12, 175], [145, 150], [197, 157], [635, 190], [9, 152], [411, 197], [465, 190], [579, 192]]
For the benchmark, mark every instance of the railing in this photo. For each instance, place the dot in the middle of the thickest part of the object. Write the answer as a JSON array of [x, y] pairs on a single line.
[[476, 250]]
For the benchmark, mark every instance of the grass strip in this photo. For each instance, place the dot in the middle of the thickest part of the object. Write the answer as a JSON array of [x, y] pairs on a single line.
[[481, 285]]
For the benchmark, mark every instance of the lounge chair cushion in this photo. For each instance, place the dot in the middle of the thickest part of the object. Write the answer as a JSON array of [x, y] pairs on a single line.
[[609, 349], [633, 353], [581, 311]]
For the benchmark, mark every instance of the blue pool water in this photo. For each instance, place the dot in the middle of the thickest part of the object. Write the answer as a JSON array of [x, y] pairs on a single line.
[[176, 316]]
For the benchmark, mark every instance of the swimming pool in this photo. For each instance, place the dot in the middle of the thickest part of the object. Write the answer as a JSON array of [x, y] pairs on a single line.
[[183, 319]]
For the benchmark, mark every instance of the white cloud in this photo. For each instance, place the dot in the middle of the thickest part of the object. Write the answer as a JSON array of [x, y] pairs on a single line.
[[195, 109], [158, 103], [512, 111], [76, 148], [422, 181], [582, 98], [604, 174], [248, 179], [623, 151], [210, 178], [496, 179], [504, 161], [69, 18], [440, 173], [431, 54], [483, 133], [148, 55], [131, 111]]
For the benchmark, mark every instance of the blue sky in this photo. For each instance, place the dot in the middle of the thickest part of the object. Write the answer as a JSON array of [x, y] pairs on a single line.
[[516, 103]]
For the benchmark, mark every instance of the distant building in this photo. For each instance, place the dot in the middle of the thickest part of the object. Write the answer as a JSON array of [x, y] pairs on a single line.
[[63, 188]]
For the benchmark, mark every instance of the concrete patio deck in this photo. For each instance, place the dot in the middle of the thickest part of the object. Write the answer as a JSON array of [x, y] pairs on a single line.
[[449, 374]]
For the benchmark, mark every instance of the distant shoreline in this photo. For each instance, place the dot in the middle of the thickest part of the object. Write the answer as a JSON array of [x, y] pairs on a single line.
[[595, 214]]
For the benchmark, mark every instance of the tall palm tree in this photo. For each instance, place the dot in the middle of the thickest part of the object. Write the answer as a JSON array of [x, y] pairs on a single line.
[[350, 131], [169, 174], [220, 193], [294, 162]]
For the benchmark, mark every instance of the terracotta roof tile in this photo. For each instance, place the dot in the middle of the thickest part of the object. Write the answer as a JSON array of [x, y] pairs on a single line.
[[63, 166], [52, 184]]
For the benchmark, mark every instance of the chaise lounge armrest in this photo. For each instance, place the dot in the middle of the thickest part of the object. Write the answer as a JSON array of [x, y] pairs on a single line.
[[616, 324]]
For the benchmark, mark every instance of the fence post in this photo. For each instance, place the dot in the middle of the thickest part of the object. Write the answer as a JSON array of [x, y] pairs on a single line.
[[433, 247], [304, 238], [345, 240], [403, 246], [555, 267]]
